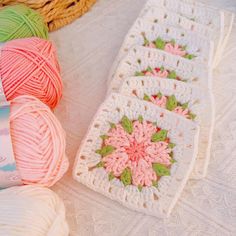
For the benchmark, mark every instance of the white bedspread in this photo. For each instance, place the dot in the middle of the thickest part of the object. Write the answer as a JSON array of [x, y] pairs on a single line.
[[86, 50]]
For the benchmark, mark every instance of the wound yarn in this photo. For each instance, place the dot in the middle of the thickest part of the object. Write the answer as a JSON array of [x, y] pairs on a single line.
[[20, 21], [30, 67], [32, 210], [38, 141]]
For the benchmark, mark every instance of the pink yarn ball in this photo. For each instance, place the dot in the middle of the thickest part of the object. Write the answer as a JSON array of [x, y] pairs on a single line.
[[38, 141], [30, 67]]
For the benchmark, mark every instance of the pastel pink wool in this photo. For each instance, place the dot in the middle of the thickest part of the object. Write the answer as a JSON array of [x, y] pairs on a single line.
[[137, 152], [30, 67], [38, 142]]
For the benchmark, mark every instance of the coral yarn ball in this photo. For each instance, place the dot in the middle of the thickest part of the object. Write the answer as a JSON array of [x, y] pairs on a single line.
[[38, 141], [19, 21], [30, 67]]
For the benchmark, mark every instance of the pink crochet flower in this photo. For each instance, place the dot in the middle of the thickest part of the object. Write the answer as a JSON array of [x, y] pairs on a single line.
[[151, 45], [162, 74], [136, 152], [143, 174], [161, 102], [181, 111], [154, 72], [175, 49]]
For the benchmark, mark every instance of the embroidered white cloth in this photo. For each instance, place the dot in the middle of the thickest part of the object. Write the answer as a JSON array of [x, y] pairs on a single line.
[[87, 49]]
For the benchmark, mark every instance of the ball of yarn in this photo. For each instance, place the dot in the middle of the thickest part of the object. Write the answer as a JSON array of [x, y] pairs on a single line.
[[38, 142], [19, 21], [30, 67], [31, 210]]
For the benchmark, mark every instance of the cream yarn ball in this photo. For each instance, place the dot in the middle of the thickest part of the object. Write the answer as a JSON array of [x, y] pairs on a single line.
[[31, 211]]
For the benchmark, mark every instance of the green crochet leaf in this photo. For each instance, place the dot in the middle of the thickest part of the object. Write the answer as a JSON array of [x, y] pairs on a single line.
[[171, 145], [185, 105], [104, 137], [160, 169], [159, 95], [160, 44], [126, 177], [149, 69], [111, 176], [146, 97], [127, 124], [106, 150], [112, 125], [155, 184], [192, 116], [100, 164], [171, 103], [159, 136], [146, 41], [172, 41], [189, 56], [140, 119], [140, 188], [139, 73], [172, 75]]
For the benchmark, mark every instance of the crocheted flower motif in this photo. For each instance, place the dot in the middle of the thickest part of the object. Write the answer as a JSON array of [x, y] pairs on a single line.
[[170, 103], [168, 46], [160, 72], [136, 152]]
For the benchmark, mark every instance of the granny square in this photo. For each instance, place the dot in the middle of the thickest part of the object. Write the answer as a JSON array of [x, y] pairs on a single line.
[[140, 58], [186, 100], [157, 15], [195, 11], [218, 21], [137, 154], [176, 41]]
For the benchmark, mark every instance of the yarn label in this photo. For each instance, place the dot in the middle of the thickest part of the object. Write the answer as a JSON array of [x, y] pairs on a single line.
[[9, 175]]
